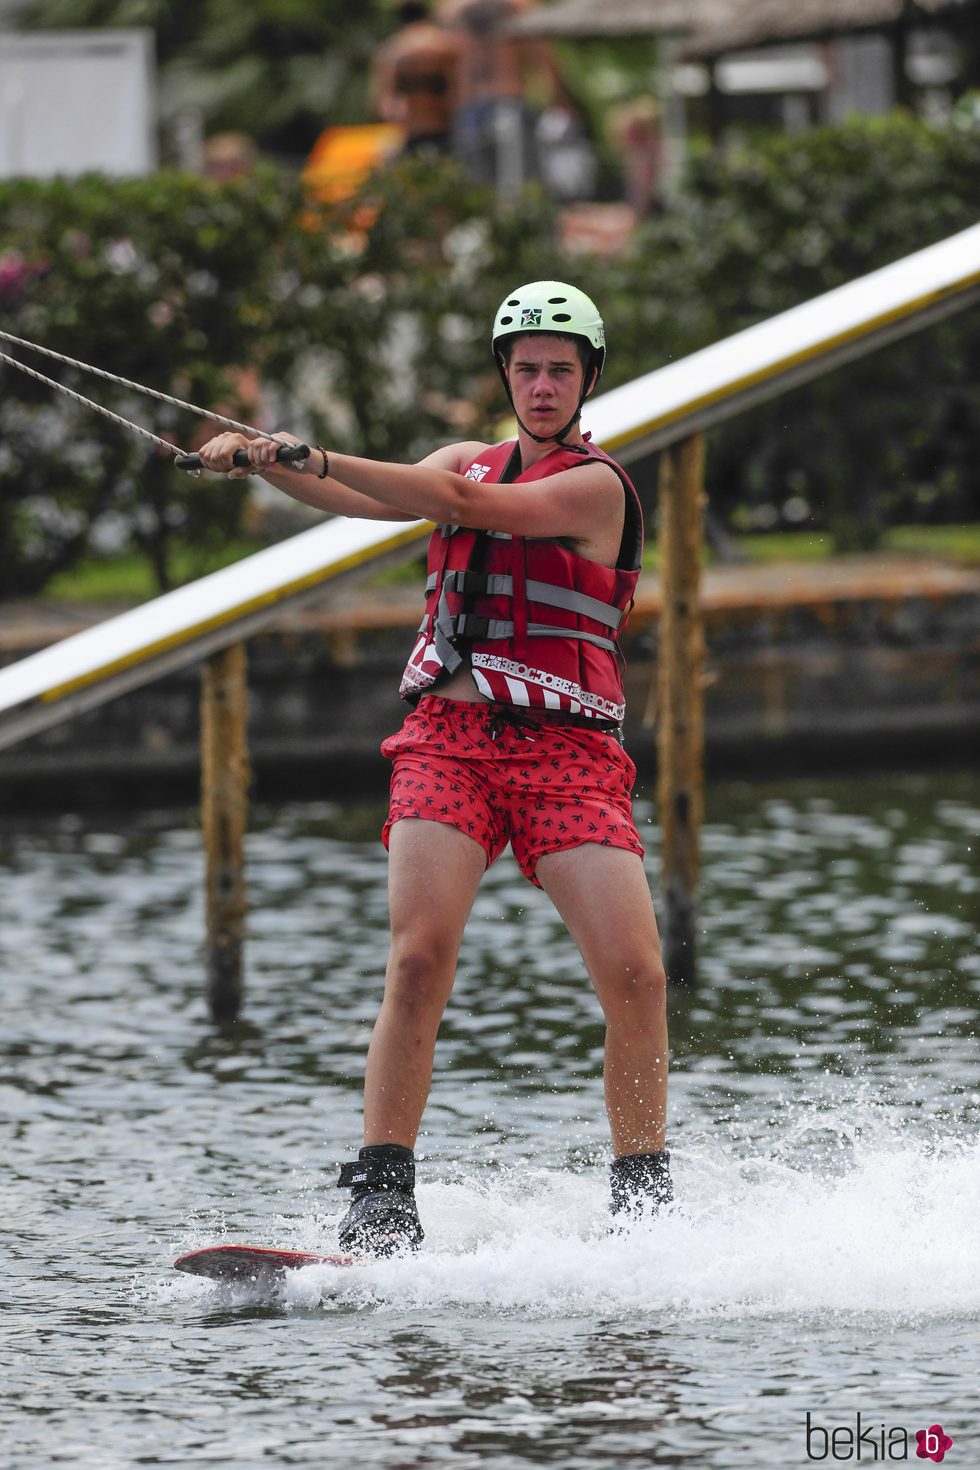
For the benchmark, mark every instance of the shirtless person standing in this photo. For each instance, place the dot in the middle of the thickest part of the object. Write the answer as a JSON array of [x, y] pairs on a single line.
[[503, 80], [415, 77], [515, 736]]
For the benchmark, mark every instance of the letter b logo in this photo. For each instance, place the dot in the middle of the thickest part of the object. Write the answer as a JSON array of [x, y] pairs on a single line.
[[817, 1440], [932, 1443]]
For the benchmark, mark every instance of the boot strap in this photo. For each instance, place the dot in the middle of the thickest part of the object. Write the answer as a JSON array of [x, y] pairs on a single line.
[[367, 1174]]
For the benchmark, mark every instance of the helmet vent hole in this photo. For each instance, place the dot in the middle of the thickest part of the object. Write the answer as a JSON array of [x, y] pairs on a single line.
[[557, 300], [505, 321], [515, 302], [560, 316]]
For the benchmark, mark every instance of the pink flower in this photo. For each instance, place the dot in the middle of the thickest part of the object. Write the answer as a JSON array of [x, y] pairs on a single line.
[[13, 272], [16, 274]]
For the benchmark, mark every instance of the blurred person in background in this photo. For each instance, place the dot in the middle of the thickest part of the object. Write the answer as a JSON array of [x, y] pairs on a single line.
[[506, 82], [228, 157], [415, 78], [637, 129]]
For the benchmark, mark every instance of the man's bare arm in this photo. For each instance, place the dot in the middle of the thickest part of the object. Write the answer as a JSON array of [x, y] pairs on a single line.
[[329, 493], [584, 504], [578, 503]]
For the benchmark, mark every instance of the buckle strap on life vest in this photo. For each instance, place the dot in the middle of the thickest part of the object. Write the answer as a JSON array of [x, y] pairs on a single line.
[[467, 625], [577, 602], [443, 633], [500, 585], [469, 584]]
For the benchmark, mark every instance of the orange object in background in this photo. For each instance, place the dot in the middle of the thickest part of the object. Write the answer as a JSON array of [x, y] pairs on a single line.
[[342, 158]]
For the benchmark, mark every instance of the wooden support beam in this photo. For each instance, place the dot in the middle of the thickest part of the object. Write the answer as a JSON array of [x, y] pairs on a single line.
[[224, 814], [680, 733]]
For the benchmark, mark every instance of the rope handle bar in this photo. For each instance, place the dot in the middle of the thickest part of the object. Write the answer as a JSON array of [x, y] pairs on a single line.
[[285, 454]]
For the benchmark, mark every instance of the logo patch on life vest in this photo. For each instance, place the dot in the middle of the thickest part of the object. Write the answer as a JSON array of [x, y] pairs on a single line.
[[477, 472], [531, 316]]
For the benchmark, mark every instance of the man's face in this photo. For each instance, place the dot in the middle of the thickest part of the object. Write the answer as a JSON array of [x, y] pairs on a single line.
[[545, 375]]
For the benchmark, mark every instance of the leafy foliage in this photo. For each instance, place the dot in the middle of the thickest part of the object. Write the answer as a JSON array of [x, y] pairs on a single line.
[[367, 327], [766, 226], [165, 281]]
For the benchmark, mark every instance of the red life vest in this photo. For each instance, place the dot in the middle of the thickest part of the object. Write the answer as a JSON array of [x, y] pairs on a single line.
[[537, 624]]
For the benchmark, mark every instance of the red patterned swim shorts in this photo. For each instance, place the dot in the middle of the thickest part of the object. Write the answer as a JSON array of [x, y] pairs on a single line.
[[544, 786]]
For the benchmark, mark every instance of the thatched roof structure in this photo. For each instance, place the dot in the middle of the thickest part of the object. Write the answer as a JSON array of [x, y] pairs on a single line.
[[716, 26], [755, 23], [585, 18]]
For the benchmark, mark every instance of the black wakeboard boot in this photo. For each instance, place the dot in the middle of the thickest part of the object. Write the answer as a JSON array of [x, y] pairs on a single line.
[[383, 1219], [640, 1187]]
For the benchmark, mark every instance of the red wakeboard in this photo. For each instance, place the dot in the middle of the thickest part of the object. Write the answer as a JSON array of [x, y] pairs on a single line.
[[252, 1263]]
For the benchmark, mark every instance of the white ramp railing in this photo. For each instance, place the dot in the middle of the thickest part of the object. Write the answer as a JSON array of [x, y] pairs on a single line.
[[800, 344], [656, 410], [189, 623]]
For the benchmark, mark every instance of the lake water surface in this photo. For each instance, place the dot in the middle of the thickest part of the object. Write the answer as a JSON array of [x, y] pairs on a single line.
[[822, 1263]]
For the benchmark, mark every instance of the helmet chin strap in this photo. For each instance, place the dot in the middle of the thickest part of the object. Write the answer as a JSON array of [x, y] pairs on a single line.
[[559, 438]]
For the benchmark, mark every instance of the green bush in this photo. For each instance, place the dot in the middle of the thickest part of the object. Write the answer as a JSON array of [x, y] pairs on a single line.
[[368, 325], [767, 225], [165, 281]]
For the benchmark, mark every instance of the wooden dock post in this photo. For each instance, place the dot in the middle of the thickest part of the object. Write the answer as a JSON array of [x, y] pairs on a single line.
[[224, 812], [680, 735]]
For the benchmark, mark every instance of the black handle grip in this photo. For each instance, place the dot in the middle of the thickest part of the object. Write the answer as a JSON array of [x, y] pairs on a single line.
[[285, 454]]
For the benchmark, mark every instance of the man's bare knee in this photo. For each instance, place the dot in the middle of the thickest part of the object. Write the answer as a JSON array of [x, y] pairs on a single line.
[[635, 992], [419, 974]]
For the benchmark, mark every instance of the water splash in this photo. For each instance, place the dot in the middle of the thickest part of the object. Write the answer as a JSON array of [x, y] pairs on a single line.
[[898, 1232]]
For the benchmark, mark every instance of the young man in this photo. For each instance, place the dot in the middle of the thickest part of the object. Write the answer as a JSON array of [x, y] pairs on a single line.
[[516, 679]]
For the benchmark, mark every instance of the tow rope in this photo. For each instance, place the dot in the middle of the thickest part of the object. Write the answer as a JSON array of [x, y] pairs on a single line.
[[286, 454]]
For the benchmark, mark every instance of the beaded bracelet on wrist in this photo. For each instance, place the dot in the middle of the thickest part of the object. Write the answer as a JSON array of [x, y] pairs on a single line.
[[326, 463]]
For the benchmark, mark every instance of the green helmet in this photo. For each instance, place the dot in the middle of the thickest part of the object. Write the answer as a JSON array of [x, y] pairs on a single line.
[[551, 306]]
